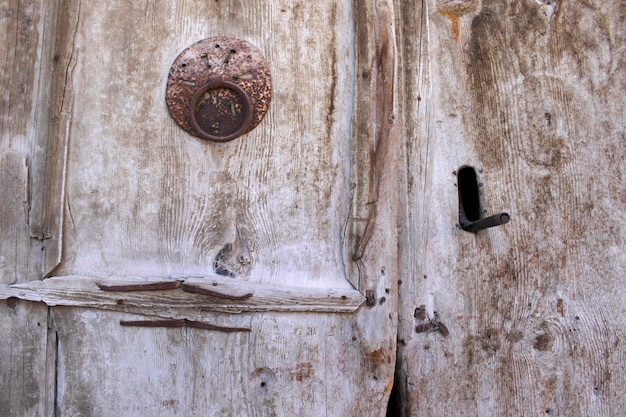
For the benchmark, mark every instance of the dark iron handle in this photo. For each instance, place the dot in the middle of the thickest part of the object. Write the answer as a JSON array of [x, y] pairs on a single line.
[[212, 84], [491, 221]]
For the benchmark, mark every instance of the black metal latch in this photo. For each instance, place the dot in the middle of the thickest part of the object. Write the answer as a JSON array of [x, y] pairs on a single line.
[[470, 212]]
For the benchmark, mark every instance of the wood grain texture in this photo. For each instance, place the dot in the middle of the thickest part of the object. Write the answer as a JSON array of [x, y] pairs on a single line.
[[21, 26], [196, 294], [143, 198], [529, 93], [24, 371], [55, 103], [297, 364], [146, 198], [24, 31], [14, 231], [373, 136]]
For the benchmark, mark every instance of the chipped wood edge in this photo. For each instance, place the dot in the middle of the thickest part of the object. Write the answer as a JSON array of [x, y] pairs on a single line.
[[229, 295]]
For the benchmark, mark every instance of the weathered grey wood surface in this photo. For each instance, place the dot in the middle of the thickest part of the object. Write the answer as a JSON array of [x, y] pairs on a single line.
[[145, 198], [26, 374], [201, 293], [531, 93], [301, 211], [24, 28], [14, 231]]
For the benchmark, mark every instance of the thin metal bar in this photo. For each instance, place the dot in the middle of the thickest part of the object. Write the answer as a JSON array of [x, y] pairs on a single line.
[[152, 286], [209, 326], [204, 291], [180, 323], [154, 323], [485, 223]]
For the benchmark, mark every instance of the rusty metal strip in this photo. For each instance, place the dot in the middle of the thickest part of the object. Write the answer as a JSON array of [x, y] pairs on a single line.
[[208, 326], [204, 291], [182, 323], [152, 286], [154, 323]]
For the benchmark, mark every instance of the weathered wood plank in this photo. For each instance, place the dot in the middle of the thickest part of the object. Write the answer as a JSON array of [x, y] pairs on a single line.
[[373, 135], [205, 294], [50, 153], [24, 31], [14, 231], [530, 94], [288, 365], [24, 371], [21, 26]]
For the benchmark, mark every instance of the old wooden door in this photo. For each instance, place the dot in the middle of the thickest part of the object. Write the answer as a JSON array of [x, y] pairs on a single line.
[[102, 191], [531, 94]]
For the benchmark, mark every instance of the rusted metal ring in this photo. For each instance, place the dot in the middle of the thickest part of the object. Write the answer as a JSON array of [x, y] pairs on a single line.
[[240, 66], [213, 84]]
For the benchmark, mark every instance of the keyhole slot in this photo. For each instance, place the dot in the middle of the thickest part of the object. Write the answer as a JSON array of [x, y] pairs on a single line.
[[469, 198], [470, 210]]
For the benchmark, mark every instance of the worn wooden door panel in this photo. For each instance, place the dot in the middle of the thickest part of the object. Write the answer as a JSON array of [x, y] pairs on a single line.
[[531, 94], [159, 202], [300, 213]]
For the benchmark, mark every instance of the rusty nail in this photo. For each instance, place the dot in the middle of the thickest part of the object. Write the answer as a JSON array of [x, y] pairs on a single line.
[[152, 286], [443, 329], [420, 312], [208, 326], [370, 298], [178, 323], [153, 323], [204, 291]]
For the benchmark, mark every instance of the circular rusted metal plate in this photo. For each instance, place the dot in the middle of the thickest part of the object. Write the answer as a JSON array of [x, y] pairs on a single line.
[[219, 88]]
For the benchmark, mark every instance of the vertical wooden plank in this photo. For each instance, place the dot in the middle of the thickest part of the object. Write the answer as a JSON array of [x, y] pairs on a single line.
[[530, 94], [24, 31], [369, 235], [50, 154], [414, 192], [373, 134], [14, 232], [24, 388], [21, 25]]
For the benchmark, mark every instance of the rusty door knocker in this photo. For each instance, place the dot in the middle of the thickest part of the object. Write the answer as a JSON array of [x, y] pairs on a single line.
[[219, 88]]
